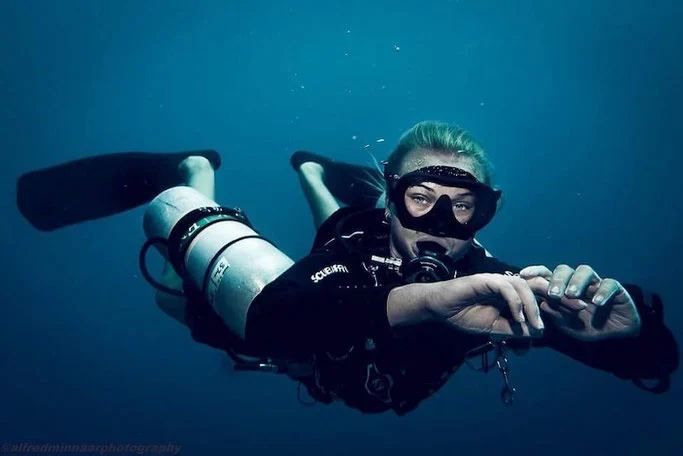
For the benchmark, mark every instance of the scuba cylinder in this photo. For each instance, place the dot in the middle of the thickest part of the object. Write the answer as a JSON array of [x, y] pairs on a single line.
[[220, 258], [214, 249]]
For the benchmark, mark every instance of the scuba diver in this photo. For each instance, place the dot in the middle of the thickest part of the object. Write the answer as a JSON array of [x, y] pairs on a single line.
[[395, 294]]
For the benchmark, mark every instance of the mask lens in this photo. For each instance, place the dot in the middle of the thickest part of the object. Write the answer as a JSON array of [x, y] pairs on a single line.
[[422, 197], [443, 201]]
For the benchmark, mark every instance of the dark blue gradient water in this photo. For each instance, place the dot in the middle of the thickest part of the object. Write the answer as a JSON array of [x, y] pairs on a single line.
[[578, 103]]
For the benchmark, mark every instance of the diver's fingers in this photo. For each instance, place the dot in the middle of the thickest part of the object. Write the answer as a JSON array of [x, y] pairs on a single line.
[[535, 271], [559, 281], [502, 328], [583, 276], [531, 310], [539, 286], [606, 291], [553, 313], [509, 293], [572, 304]]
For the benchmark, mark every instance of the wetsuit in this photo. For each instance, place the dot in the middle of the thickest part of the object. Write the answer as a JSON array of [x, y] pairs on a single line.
[[330, 308]]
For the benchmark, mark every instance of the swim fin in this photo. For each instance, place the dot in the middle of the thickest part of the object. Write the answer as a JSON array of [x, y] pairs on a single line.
[[96, 187], [354, 185]]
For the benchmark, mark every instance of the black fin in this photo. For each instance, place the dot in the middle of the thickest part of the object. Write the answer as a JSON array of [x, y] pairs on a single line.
[[96, 187]]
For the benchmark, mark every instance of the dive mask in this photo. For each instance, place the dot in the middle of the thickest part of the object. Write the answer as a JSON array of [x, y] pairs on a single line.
[[418, 208]]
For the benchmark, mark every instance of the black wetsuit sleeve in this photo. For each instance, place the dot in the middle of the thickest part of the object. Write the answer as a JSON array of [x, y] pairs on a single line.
[[652, 355], [319, 304]]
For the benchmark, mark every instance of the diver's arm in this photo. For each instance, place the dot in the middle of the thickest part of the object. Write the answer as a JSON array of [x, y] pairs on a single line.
[[296, 315], [302, 312], [652, 354]]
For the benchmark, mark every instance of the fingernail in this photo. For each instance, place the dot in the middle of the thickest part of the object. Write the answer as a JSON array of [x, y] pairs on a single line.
[[597, 300], [521, 317], [572, 290], [555, 291]]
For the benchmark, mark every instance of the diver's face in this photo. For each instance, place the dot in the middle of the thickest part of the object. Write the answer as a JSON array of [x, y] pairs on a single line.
[[419, 199]]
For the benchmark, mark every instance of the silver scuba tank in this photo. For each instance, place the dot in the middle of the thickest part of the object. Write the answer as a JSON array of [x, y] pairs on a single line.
[[216, 249]]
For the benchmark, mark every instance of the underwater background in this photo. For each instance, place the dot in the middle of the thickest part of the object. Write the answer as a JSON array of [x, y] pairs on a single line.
[[579, 104]]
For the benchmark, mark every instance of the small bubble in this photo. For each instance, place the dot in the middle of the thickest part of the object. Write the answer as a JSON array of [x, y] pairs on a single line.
[[303, 87], [354, 137], [348, 31], [397, 48], [383, 87], [481, 104]]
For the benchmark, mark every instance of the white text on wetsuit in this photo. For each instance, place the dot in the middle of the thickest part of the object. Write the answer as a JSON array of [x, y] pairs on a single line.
[[318, 276]]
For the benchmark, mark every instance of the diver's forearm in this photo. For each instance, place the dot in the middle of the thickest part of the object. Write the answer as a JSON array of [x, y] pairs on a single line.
[[407, 305]]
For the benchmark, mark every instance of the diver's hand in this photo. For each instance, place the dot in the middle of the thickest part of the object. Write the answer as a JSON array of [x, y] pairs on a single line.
[[581, 304], [493, 304]]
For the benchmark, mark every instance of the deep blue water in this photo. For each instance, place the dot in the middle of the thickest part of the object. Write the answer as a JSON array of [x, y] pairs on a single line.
[[578, 103]]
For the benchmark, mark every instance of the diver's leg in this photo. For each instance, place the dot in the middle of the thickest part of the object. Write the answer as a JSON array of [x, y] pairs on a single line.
[[198, 173], [318, 196], [328, 184]]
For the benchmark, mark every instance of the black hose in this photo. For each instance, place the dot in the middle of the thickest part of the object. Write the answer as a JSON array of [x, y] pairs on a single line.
[[145, 272]]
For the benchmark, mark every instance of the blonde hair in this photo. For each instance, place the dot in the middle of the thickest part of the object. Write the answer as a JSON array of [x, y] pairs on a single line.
[[445, 138]]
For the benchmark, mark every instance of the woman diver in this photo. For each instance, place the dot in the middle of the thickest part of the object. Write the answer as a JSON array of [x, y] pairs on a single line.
[[396, 294], [392, 300]]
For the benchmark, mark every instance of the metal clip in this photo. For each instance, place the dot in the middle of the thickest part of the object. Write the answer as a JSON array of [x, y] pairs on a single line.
[[499, 360], [372, 269], [507, 394]]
